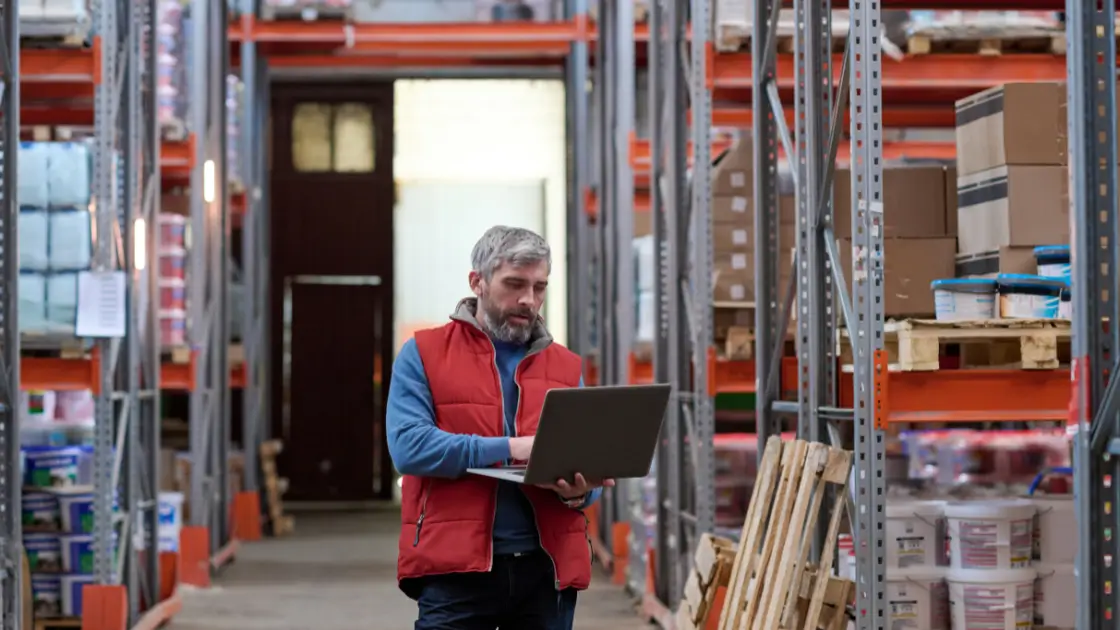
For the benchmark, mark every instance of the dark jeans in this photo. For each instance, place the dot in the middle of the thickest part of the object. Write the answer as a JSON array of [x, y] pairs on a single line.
[[519, 593]]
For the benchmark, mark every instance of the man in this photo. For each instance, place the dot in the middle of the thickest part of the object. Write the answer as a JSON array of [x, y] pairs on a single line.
[[476, 552]]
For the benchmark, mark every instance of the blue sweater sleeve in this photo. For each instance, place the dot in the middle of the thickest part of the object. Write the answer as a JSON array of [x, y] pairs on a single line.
[[416, 445]]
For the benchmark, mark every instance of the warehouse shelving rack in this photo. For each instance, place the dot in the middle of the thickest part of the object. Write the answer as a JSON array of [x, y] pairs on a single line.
[[918, 91], [11, 523]]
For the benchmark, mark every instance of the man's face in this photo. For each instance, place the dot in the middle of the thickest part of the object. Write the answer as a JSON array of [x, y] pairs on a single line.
[[508, 304]]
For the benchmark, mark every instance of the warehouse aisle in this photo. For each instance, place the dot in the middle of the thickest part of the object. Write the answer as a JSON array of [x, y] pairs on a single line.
[[339, 573]]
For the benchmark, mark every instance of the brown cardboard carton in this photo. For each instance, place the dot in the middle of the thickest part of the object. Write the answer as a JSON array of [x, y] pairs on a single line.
[[734, 276], [911, 264], [913, 202], [950, 201], [1006, 259], [1012, 205], [643, 223], [1011, 124], [733, 173]]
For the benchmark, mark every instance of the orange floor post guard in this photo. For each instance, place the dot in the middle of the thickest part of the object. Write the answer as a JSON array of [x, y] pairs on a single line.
[[104, 607], [247, 516], [194, 556]]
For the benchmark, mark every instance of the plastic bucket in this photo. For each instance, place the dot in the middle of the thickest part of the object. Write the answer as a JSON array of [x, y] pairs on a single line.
[[40, 511], [1000, 599], [990, 534], [46, 595], [52, 466], [915, 534], [173, 328], [918, 599], [964, 298], [1055, 596], [77, 513], [173, 264], [1055, 530], [170, 513], [172, 230], [43, 552], [70, 588], [172, 295]]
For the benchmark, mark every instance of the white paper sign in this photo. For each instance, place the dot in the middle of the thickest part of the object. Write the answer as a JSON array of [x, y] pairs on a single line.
[[101, 304]]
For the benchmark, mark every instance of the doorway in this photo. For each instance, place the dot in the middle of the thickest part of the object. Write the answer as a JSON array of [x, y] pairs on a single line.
[[332, 286]]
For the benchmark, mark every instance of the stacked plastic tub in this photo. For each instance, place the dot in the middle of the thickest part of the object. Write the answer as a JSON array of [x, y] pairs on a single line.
[[917, 594], [1054, 554], [174, 241], [55, 233], [171, 88]]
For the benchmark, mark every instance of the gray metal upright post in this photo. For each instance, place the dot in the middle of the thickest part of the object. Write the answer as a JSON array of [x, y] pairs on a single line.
[[11, 524], [579, 298], [867, 343], [107, 159], [220, 275], [1091, 97]]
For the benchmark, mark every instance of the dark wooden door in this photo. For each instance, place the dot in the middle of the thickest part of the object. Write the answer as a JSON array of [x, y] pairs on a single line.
[[332, 286]]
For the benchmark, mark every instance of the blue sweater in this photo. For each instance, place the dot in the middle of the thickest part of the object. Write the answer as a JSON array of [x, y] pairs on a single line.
[[419, 448]]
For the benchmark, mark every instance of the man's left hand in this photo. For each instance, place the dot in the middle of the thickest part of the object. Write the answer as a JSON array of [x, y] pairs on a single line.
[[579, 488]]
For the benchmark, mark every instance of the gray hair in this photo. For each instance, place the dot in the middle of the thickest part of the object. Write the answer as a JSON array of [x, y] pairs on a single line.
[[502, 244]]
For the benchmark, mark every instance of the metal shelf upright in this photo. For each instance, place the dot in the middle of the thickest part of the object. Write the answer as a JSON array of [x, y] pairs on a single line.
[[11, 524], [254, 256], [208, 281], [818, 289], [680, 203], [1095, 405]]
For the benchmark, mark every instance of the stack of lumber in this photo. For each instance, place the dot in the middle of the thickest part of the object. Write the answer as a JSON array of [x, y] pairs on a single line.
[[772, 584], [711, 570]]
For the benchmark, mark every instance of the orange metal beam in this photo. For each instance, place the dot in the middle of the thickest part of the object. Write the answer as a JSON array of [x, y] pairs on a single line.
[[463, 39], [640, 151], [932, 116], [921, 72]]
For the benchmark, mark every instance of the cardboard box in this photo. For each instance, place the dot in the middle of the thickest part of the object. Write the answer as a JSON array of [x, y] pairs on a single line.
[[911, 265], [643, 223], [1003, 260], [913, 202], [950, 201], [733, 173], [734, 279], [1012, 205], [1011, 124]]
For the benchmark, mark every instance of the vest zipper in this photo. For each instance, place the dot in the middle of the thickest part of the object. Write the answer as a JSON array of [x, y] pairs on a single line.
[[502, 424], [423, 510], [533, 508]]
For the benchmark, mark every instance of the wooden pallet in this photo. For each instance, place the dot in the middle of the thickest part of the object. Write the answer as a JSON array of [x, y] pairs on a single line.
[[275, 487], [772, 584], [181, 355], [736, 36], [989, 44], [270, 13], [61, 622], [68, 40], [711, 569], [916, 345]]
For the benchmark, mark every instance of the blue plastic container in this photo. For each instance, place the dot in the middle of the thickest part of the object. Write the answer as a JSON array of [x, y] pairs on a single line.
[[964, 298], [44, 554], [76, 511], [52, 466], [46, 595], [1023, 296], [40, 511], [77, 553], [1053, 261]]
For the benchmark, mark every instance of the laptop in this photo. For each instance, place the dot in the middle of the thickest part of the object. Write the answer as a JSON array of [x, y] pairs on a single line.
[[608, 432]]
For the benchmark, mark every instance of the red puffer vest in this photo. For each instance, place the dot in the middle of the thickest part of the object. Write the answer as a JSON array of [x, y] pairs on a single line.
[[447, 525]]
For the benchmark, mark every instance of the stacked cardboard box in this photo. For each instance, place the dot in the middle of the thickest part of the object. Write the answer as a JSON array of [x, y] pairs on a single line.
[[919, 238], [1012, 182]]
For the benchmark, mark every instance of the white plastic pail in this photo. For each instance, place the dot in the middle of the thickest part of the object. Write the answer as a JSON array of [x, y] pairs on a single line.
[[917, 599], [990, 534], [915, 534], [997, 599]]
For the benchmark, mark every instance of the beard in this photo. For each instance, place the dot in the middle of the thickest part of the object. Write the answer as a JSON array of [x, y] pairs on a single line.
[[497, 322]]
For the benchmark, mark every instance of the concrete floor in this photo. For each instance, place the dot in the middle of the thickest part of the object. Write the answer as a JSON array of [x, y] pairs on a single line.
[[338, 572]]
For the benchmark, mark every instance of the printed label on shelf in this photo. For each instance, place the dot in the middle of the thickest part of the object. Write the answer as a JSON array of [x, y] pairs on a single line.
[[101, 304]]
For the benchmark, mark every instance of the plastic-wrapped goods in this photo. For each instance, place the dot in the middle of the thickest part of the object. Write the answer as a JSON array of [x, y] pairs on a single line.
[[32, 302], [171, 73], [172, 264], [34, 166], [74, 406], [70, 240], [979, 24], [173, 328], [62, 299], [33, 240], [234, 103], [309, 9], [70, 174], [172, 230]]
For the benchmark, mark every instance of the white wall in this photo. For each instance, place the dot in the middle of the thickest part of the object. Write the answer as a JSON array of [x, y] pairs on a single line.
[[483, 131]]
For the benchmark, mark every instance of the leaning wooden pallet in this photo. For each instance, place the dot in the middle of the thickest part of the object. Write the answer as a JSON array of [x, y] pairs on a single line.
[[772, 585], [711, 569], [275, 487]]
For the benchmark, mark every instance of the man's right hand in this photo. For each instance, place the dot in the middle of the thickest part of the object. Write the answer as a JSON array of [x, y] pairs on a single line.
[[520, 448]]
